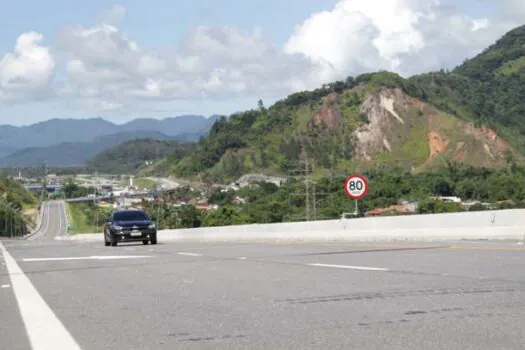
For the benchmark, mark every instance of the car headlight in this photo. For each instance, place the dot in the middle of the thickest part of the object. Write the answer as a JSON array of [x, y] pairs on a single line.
[[151, 226], [117, 227]]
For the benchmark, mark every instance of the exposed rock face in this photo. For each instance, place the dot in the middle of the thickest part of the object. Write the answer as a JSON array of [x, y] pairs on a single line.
[[330, 113], [437, 144], [380, 111], [401, 127]]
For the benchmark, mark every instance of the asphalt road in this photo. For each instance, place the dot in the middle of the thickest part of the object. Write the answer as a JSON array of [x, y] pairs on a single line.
[[454, 295], [54, 222]]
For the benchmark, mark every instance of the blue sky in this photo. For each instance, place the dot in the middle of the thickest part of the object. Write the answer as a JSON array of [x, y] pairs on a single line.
[[185, 44]]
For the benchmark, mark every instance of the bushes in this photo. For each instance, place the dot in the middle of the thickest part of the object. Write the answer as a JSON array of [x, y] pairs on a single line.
[[13, 199]]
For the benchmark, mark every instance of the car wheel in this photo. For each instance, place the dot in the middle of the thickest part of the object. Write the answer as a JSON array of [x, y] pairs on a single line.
[[113, 240], [145, 242], [154, 239]]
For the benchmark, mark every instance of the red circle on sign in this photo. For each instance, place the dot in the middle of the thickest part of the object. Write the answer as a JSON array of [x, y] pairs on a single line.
[[362, 192]]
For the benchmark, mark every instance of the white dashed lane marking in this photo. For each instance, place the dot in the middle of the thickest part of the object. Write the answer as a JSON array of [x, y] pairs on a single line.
[[189, 254], [113, 257], [363, 268]]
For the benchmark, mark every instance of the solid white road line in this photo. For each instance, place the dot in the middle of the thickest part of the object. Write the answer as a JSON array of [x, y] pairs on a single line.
[[44, 329], [46, 213], [189, 254], [364, 268], [109, 257], [45, 224], [59, 232]]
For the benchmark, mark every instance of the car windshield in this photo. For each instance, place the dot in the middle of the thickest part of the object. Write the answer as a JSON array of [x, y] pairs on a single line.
[[130, 216]]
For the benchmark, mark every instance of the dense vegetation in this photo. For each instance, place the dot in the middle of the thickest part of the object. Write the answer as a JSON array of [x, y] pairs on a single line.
[[87, 217], [14, 201], [129, 156], [72, 190], [267, 203], [488, 88]]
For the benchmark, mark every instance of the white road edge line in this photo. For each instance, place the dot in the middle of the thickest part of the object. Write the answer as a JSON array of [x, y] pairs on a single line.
[[189, 254], [364, 268], [43, 328], [59, 232], [43, 229]]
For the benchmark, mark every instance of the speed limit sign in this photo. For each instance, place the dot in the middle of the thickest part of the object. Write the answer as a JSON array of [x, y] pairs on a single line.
[[356, 186]]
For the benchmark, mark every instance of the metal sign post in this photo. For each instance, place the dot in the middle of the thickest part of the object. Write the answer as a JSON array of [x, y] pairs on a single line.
[[356, 187]]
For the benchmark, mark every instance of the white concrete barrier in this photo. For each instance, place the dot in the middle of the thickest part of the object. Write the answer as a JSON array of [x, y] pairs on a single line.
[[494, 225], [38, 223]]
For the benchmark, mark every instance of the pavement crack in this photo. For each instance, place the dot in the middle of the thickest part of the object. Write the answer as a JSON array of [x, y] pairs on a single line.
[[396, 294]]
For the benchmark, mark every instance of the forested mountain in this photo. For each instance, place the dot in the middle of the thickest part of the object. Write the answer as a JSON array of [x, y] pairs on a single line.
[[470, 115], [490, 88], [130, 156]]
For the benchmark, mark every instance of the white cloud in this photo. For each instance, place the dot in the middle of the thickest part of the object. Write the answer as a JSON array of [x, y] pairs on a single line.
[[405, 36], [106, 70], [103, 62], [212, 62], [27, 70]]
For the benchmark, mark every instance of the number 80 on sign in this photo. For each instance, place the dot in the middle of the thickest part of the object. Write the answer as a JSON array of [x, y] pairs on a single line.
[[356, 186]]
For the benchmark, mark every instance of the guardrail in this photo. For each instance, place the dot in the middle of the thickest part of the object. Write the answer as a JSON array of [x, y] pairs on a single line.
[[498, 225], [68, 217]]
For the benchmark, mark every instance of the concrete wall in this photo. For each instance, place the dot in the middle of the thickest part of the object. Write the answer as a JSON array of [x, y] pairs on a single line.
[[39, 221], [504, 224]]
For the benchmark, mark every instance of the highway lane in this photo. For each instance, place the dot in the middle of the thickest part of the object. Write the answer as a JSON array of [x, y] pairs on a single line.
[[54, 222], [453, 295], [12, 331]]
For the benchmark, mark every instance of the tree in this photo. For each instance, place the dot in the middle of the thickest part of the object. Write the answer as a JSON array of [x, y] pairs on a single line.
[[189, 217], [260, 106], [225, 216]]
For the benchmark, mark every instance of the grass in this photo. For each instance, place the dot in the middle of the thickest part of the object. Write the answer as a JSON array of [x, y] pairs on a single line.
[[144, 183], [79, 220], [303, 115], [512, 66]]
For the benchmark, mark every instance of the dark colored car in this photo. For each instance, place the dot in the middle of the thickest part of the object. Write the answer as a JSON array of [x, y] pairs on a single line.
[[129, 226]]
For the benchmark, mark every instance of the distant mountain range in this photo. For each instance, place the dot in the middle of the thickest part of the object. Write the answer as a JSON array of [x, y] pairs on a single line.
[[65, 142]]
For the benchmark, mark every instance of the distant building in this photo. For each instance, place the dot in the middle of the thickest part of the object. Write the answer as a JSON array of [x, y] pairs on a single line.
[[255, 178], [205, 206], [403, 208], [448, 199]]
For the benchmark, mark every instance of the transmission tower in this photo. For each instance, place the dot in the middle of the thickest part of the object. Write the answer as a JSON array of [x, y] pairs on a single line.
[[309, 185]]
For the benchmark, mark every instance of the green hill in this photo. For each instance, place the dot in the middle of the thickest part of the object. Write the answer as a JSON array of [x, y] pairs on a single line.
[[470, 115], [489, 88], [133, 155]]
